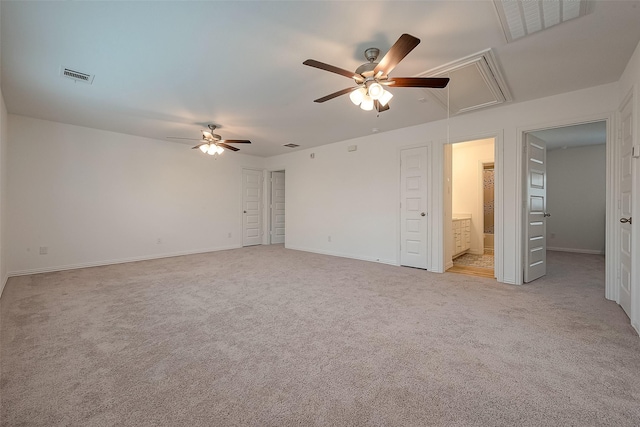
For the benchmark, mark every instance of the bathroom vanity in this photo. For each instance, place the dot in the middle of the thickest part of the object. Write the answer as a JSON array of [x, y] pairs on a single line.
[[461, 234]]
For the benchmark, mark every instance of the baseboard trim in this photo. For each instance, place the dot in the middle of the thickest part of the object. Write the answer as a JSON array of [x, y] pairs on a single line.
[[577, 251], [116, 261], [330, 253]]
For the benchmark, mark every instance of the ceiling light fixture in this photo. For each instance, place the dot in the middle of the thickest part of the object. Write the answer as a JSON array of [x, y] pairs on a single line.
[[367, 103], [375, 89], [357, 96], [369, 92], [385, 98], [213, 144], [211, 149]]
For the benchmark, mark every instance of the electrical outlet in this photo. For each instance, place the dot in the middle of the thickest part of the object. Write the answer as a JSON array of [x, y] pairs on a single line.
[[44, 250], [329, 239], [229, 235], [553, 235], [159, 241]]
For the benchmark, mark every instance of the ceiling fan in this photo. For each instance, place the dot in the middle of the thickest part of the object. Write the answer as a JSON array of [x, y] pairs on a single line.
[[212, 143], [370, 77]]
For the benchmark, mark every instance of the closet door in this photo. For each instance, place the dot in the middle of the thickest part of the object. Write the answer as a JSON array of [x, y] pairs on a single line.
[[413, 207]]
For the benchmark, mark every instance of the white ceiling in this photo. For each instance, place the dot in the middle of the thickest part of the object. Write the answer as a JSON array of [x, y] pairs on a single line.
[[169, 68], [594, 133]]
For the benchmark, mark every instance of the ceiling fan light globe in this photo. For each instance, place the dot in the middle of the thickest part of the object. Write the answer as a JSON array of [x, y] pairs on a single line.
[[212, 150], [220, 150], [357, 96], [376, 90], [204, 148], [367, 103], [385, 98]]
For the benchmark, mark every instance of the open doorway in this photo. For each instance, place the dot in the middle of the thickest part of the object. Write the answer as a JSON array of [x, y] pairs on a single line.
[[571, 216], [470, 203]]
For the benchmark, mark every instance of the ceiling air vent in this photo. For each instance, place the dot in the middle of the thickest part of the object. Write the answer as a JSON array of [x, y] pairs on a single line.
[[77, 76], [519, 18], [291, 145]]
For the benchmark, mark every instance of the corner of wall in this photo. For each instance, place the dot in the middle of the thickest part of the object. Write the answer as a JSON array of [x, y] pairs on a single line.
[[3, 193]]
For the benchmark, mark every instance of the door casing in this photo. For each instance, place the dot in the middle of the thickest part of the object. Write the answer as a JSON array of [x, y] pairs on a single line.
[[610, 191]]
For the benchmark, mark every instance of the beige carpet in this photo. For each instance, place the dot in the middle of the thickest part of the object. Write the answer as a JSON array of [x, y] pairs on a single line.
[[265, 336]]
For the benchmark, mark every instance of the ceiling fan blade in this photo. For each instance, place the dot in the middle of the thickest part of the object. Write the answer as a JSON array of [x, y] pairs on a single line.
[[379, 107], [336, 94], [331, 68], [405, 44], [430, 82], [235, 141], [228, 147], [188, 139], [198, 146]]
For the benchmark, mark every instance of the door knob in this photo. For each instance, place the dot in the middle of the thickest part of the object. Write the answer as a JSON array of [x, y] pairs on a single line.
[[546, 214], [625, 220], [422, 214]]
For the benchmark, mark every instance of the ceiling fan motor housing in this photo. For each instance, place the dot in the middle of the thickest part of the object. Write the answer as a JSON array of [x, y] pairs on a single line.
[[366, 70], [372, 54]]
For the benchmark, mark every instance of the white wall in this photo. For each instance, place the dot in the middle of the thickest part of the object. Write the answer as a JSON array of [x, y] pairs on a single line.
[[576, 199], [95, 197], [343, 195], [354, 197], [467, 194]]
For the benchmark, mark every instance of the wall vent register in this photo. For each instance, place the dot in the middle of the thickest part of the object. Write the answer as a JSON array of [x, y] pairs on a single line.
[[77, 76]]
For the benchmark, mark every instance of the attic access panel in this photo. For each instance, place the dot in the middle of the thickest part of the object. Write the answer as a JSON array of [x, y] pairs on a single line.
[[476, 82]]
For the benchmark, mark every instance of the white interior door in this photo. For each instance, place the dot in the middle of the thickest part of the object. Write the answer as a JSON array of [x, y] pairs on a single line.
[[535, 253], [277, 207], [413, 207], [625, 199], [251, 207]]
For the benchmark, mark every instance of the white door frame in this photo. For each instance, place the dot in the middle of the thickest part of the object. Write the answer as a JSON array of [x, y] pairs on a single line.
[[438, 188], [610, 193]]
